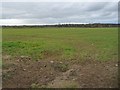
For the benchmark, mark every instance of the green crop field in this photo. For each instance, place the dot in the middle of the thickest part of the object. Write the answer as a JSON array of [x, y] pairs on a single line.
[[61, 43], [59, 57]]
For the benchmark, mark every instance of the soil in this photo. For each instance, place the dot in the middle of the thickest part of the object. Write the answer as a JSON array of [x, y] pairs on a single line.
[[23, 72]]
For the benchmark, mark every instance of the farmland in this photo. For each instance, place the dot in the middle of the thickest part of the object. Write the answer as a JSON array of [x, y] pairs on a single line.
[[56, 57]]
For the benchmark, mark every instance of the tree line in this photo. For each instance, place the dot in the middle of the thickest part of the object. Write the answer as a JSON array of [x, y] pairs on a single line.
[[68, 25]]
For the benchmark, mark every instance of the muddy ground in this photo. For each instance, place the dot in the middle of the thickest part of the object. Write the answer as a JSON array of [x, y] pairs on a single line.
[[23, 72]]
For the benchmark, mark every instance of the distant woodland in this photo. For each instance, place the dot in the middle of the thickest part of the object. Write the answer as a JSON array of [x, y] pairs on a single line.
[[68, 25]]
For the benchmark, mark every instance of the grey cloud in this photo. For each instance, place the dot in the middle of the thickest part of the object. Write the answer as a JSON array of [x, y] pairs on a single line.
[[95, 6], [61, 12]]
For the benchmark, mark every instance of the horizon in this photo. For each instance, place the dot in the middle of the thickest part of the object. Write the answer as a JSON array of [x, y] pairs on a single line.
[[55, 24]]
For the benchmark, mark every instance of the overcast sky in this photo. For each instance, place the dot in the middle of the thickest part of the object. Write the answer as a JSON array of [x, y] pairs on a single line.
[[58, 12]]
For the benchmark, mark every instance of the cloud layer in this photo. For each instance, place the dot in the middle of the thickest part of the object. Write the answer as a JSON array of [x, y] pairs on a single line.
[[59, 12]]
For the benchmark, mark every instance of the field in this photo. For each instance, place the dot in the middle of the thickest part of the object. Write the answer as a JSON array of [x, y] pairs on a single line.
[[60, 57]]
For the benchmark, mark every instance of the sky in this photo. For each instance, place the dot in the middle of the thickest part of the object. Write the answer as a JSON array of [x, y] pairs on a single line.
[[23, 12]]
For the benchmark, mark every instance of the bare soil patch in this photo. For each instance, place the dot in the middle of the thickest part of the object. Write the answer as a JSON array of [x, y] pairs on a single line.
[[23, 72]]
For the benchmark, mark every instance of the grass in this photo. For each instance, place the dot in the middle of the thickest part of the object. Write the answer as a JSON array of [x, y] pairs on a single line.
[[61, 67], [61, 43], [65, 84]]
